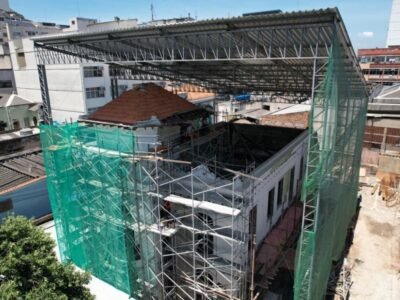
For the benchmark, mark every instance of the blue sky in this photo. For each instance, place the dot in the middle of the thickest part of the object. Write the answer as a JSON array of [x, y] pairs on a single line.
[[366, 20]]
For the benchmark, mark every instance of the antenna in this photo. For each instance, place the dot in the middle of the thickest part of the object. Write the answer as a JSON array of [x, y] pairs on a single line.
[[152, 11]]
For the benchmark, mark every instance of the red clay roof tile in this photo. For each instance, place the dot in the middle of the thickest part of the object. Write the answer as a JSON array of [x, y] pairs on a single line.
[[140, 104]]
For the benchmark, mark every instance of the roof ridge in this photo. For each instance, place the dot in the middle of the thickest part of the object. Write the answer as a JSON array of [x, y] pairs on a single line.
[[141, 104]]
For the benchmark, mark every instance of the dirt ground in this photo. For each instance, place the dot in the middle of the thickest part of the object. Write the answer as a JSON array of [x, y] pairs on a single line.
[[375, 252]]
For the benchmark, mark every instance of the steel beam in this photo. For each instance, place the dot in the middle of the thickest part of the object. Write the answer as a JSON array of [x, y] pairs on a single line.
[[44, 89]]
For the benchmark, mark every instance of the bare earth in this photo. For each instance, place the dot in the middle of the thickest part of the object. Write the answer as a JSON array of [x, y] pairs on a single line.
[[375, 253]]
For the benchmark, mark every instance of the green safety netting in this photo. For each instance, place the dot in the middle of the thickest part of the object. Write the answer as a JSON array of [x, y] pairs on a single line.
[[93, 192], [329, 192], [95, 183]]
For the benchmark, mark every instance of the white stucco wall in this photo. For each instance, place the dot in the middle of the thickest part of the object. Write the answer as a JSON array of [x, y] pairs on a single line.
[[18, 113], [271, 172], [65, 82], [393, 37]]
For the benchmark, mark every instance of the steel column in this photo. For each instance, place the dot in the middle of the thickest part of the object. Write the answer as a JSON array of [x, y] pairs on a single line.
[[44, 89]]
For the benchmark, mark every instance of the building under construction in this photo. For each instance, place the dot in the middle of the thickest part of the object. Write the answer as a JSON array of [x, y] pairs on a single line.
[[151, 197]]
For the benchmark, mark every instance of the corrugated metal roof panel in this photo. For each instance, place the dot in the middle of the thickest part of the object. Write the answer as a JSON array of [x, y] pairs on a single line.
[[289, 18], [20, 168], [10, 178]]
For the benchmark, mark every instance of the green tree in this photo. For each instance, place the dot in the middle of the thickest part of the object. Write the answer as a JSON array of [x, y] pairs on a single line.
[[29, 268]]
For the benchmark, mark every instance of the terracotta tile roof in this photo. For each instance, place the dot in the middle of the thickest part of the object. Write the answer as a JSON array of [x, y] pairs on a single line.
[[292, 120], [140, 104]]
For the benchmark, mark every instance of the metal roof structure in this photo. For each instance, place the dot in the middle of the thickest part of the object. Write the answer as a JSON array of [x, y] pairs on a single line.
[[301, 54], [20, 168], [281, 52]]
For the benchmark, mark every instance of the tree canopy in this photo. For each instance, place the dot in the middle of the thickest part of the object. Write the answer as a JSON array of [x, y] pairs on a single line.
[[29, 268]]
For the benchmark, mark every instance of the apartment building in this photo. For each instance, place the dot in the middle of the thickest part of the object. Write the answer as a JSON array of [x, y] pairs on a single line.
[[14, 25], [75, 89], [380, 65]]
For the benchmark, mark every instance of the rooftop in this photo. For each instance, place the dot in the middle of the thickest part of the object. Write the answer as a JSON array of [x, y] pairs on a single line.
[[389, 93], [223, 55], [386, 104], [297, 108], [17, 135], [7, 100], [290, 120], [254, 113], [379, 51], [143, 104], [20, 168]]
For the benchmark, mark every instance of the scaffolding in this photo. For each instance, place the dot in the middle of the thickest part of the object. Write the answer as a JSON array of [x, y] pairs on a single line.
[[136, 217], [330, 190], [302, 54]]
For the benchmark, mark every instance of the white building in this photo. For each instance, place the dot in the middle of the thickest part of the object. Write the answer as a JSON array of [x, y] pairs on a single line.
[[212, 187], [393, 38], [13, 25], [86, 24], [231, 109], [74, 89]]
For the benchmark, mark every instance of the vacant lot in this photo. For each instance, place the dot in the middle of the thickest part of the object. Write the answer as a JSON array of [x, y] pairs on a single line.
[[375, 253]]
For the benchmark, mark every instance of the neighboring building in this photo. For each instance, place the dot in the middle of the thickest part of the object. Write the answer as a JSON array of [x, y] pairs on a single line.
[[254, 109], [385, 106], [78, 24], [175, 167], [295, 116], [23, 188], [380, 65], [21, 140], [14, 26], [383, 120], [75, 90], [393, 37], [17, 112], [171, 21], [86, 86]]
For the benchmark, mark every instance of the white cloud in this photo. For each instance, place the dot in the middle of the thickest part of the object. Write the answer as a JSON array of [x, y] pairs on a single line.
[[366, 34]]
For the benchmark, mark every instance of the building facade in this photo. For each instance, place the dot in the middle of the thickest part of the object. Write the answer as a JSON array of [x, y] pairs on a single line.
[[75, 90], [380, 65], [393, 37], [17, 112], [14, 25]]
